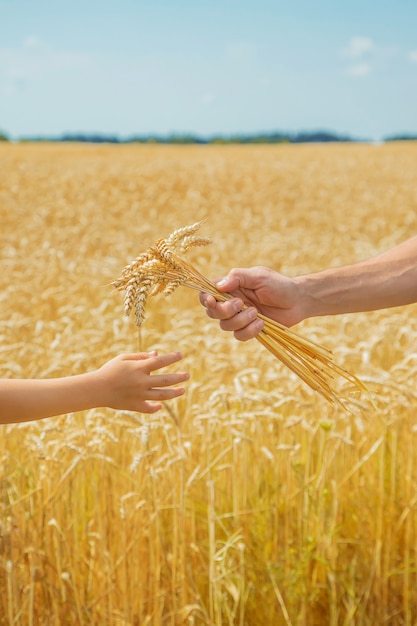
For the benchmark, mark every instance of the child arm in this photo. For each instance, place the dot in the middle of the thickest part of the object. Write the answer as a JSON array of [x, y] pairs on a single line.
[[125, 382]]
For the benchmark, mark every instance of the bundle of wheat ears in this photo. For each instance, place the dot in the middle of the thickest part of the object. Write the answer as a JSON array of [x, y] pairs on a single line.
[[161, 270]]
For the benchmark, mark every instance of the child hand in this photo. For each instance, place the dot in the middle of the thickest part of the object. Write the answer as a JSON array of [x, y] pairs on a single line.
[[127, 382]]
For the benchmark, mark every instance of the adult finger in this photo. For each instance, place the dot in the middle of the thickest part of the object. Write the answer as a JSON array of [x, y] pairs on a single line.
[[240, 320], [225, 310], [207, 300], [231, 282], [250, 331]]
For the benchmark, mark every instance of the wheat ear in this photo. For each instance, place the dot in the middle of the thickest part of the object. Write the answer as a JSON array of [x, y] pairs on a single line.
[[161, 270]]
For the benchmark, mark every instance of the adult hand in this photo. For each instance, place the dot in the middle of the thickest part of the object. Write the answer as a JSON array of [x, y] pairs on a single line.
[[262, 290]]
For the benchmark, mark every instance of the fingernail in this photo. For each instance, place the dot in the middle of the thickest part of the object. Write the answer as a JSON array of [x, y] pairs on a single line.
[[153, 353], [237, 305], [221, 282], [259, 325], [253, 314]]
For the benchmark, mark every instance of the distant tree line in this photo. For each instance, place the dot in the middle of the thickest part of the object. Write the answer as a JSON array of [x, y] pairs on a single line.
[[316, 136], [401, 137]]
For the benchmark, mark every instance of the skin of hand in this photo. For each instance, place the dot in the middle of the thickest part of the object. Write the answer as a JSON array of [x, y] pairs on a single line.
[[130, 384], [125, 382], [383, 281], [260, 289]]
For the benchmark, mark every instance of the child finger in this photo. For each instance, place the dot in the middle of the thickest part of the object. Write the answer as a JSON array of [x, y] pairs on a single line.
[[166, 380], [164, 394], [163, 360]]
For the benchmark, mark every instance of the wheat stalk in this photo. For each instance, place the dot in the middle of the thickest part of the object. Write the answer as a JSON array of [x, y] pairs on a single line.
[[161, 270]]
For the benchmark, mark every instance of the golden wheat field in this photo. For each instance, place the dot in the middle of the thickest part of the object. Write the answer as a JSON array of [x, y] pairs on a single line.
[[250, 500]]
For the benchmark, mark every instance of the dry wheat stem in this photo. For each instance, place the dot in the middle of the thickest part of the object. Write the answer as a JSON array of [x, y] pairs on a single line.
[[161, 270]]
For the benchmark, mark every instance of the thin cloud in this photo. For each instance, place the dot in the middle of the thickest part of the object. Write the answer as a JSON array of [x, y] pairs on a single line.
[[33, 60], [34, 43], [358, 47], [359, 70], [360, 51], [413, 56]]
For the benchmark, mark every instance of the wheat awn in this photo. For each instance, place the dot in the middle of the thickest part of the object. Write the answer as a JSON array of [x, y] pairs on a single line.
[[161, 270]]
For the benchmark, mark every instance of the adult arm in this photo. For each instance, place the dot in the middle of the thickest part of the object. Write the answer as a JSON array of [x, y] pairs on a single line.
[[386, 280]]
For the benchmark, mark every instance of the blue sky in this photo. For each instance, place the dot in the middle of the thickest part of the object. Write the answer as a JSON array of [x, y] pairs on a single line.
[[223, 66]]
